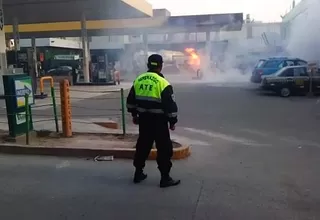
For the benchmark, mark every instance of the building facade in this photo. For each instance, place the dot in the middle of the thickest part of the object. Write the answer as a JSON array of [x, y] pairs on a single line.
[[297, 14], [302, 32], [249, 31]]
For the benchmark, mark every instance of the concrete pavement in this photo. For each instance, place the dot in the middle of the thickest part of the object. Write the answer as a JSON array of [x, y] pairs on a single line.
[[253, 157]]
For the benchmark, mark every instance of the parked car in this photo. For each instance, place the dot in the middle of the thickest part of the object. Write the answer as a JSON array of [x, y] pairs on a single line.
[[60, 71], [269, 66], [291, 79]]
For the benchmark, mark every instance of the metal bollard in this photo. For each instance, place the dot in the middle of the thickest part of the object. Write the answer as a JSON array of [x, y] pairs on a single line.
[[65, 108], [123, 116], [55, 115], [26, 106]]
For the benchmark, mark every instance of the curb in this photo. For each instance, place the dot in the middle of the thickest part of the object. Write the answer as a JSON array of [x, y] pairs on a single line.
[[179, 153], [109, 124]]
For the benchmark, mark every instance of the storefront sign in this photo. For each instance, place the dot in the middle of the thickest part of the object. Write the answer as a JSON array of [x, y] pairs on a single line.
[[66, 57]]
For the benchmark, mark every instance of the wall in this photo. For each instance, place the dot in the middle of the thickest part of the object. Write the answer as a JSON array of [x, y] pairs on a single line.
[[161, 13], [303, 31], [254, 30], [52, 42], [107, 42], [302, 15], [300, 11], [296, 11]]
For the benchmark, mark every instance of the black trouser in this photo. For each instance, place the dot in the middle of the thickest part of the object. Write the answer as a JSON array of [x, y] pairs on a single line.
[[154, 128]]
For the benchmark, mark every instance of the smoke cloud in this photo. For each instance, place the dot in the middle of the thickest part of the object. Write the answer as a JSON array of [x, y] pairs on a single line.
[[227, 62], [304, 41]]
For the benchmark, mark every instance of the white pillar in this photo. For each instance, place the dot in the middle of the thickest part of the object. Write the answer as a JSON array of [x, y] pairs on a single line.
[[217, 36], [249, 30], [34, 64], [85, 61], [16, 37], [208, 45], [88, 48], [3, 57], [145, 44], [34, 55]]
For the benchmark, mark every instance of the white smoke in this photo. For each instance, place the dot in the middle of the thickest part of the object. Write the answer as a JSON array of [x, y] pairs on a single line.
[[222, 66], [304, 38]]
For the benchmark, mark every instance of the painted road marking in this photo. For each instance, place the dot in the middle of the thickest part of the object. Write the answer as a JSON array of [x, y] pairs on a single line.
[[255, 132], [175, 137], [225, 137], [63, 164], [232, 85], [42, 106], [192, 142], [78, 96], [287, 139]]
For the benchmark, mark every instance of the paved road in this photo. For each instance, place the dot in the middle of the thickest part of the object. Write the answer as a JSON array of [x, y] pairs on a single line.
[[254, 157]]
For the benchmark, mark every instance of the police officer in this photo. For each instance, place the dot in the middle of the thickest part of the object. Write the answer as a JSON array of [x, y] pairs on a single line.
[[152, 106]]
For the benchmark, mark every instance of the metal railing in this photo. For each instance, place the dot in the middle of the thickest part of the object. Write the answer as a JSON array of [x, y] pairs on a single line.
[[91, 108]]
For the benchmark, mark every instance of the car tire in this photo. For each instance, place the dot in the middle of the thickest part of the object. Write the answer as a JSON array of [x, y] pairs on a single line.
[[285, 92]]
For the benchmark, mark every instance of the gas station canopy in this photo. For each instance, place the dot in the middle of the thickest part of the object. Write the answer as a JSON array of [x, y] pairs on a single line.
[[44, 11], [150, 25]]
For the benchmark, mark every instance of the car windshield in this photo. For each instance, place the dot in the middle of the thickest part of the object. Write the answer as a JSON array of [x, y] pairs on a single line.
[[271, 64], [259, 63]]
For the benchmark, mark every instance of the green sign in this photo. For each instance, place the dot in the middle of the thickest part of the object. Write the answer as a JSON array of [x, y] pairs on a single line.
[[23, 86], [21, 118], [15, 88]]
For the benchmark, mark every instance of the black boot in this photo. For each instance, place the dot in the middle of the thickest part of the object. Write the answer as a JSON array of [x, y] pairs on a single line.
[[167, 181], [139, 176]]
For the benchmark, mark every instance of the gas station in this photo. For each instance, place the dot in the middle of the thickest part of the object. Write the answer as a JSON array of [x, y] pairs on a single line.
[[101, 18], [15, 17], [83, 18], [56, 19], [87, 21]]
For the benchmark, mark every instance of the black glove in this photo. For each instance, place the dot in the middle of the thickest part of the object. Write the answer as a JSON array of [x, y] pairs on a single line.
[[135, 120], [172, 127]]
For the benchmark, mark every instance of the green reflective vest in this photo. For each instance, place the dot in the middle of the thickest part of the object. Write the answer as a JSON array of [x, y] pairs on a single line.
[[149, 86]]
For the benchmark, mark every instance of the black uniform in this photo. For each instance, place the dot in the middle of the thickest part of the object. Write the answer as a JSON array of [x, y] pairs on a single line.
[[154, 127]]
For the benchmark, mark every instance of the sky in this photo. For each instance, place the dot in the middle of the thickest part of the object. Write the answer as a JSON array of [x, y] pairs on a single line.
[[260, 10]]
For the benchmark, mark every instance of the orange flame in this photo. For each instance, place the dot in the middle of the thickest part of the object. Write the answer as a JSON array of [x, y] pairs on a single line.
[[194, 59], [189, 50]]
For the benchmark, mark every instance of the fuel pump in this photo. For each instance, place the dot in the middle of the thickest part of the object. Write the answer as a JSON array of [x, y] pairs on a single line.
[[24, 61], [19, 60], [101, 68]]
